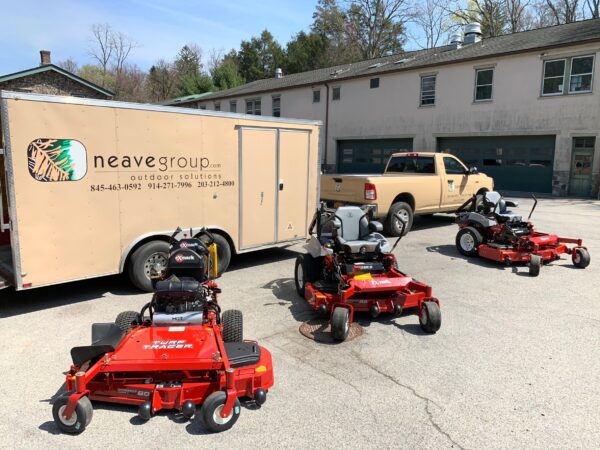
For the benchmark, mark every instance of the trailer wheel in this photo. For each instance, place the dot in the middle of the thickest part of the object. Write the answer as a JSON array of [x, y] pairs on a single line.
[[223, 252], [81, 418], [430, 317], [306, 270], [340, 323], [535, 264], [468, 240], [580, 257], [211, 412], [153, 253], [127, 318], [233, 325], [393, 225]]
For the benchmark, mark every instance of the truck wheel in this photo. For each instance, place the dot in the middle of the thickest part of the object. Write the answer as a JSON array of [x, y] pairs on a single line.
[[340, 323], [468, 240], [223, 252], [211, 412], [150, 254], [127, 318], [580, 257], [233, 326], [306, 270], [81, 418], [393, 225]]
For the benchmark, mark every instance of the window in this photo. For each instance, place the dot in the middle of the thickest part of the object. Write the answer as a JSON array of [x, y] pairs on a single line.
[[484, 79], [335, 94], [492, 162], [374, 83], [428, 90], [276, 105], [233, 106], [317, 96], [453, 167], [581, 74], [253, 106], [217, 106], [554, 77], [411, 164]]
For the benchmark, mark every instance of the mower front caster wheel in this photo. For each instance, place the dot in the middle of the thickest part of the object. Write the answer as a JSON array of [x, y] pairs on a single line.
[[580, 257], [535, 264], [430, 317], [211, 412], [80, 419], [340, 323]]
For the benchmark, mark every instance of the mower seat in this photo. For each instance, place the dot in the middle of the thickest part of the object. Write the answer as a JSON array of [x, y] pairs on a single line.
[[356, 234], [493, 200], [105, 338], [174, 284]]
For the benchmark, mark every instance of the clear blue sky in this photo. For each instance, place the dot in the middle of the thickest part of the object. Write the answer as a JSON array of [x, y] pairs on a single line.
[[161, 27]]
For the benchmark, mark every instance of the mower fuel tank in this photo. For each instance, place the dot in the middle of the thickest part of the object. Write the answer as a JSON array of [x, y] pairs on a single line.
[[359, 268], [184, 318]]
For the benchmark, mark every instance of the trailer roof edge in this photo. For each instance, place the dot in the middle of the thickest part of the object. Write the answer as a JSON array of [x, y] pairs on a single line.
[[148, 107]]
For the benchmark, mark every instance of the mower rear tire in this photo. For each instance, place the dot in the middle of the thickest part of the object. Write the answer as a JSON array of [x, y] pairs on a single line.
[[580, 257], [81, 418], [430, 317], [233, 326], [141, 261], [127, 318], [306, 270], [468, 240], [393, 225], [535, 264], [211, 412], [340, 323], [223, 252]]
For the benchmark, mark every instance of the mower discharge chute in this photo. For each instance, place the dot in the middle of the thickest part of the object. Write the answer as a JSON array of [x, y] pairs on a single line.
[[349, 267], [490, 230], [178, 352]]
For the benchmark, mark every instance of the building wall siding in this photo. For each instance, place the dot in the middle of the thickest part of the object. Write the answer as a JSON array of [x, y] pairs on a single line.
[[52, 83]]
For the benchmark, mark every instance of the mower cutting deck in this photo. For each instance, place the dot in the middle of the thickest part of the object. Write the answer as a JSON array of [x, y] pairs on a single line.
[[490, 230], [178, 352], [350, 268]]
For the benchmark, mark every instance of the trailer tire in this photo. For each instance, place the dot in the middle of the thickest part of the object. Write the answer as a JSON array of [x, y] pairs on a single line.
[[81, 418], [125, 319], [580, 257], [223, 252], [393, 225], [535, 264], [211, 410], [141, 260], [340, 323], [233, 325], [468, 240]]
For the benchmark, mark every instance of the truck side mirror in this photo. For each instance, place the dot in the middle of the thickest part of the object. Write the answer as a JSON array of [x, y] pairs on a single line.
[[472, 171]]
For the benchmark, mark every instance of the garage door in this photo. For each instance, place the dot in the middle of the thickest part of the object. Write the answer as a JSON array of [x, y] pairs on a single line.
[[369, 155], [517, 163]]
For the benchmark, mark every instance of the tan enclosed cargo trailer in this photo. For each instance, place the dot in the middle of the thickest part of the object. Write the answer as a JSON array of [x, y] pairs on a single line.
[[92, 187]]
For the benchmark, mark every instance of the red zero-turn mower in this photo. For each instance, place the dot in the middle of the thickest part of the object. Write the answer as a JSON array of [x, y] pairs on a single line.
[[490, 230], [178, 352], [349, 267]]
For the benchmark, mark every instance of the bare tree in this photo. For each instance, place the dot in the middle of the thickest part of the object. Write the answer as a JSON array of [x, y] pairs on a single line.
[[215, 58], [517, 15], [563, 11], [432, 19], [491, 14], [593, 8], [70, 65], [121, 46], [101, 42], [161, 81]]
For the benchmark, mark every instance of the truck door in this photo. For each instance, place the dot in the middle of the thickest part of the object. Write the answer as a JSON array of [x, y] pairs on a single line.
[[455, 188], [292, 188], [258, 172]]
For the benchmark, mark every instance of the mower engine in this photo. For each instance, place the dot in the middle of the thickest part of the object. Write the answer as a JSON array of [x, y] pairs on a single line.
[[177, 311]]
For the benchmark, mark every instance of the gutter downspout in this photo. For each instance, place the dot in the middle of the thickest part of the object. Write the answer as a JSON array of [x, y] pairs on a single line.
[[324, 162]]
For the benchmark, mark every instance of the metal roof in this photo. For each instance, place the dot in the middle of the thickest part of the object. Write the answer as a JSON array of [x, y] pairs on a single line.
[[47, 67], [525, 41]]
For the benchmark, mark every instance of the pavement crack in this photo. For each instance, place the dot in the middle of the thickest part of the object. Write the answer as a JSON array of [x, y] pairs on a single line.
[[412, 390]]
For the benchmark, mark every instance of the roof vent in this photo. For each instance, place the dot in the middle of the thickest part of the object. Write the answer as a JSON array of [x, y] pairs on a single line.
[[472, 33], [338, 71], [376, 65], [456, 40], [278, 73], [403, 60]]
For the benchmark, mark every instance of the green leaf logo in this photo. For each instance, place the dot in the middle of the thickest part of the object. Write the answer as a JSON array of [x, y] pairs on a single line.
[[57, 160]]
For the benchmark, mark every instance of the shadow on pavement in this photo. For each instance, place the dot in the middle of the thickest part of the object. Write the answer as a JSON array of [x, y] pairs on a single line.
[[260, 258], [284, 289]]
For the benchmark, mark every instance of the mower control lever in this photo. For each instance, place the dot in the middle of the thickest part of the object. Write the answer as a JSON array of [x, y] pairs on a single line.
[[403, 222]]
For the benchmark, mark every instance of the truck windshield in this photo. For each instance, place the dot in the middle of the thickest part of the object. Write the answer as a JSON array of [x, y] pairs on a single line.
[[411, 164]]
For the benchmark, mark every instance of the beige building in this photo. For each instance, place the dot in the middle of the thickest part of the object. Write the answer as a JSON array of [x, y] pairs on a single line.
[[523, 108]]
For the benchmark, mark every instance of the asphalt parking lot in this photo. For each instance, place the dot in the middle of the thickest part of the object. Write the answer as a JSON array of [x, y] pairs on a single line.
[[516, 363]]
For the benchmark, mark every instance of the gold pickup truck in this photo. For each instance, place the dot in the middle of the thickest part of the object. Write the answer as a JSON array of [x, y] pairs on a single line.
[[412, 183]]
